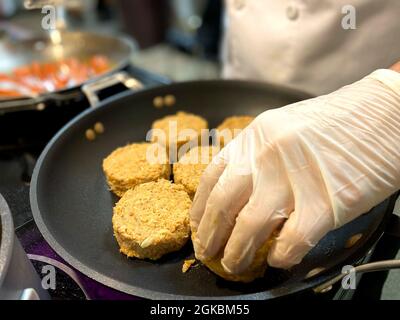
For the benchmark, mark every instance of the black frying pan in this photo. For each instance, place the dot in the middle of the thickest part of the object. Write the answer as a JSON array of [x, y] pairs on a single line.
[[72, 205]]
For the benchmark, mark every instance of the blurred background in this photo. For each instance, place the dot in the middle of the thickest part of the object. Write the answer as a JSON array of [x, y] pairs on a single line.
[[176, 38]]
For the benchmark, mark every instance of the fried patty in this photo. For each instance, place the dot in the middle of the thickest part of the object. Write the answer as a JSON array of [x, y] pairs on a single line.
[[188, 170], [254, 271], [230, 127], [179, 129], [152, 220], [128, 166]]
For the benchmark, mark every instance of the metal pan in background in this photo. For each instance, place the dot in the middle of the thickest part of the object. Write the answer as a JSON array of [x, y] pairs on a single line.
[[72, 205], [32, 121], [55, 46]]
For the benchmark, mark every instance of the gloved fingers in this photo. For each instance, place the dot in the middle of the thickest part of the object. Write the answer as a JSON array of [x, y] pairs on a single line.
[[268, 207], [312, 216], [207, 183], [226, 199], [311, 220], [297, 237], [253, 228]]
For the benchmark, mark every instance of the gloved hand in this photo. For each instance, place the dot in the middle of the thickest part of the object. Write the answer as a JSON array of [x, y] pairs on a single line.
[[311, 167]]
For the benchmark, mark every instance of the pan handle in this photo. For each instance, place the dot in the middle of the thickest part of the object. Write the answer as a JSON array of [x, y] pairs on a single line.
[[91, 89], [364, 268]]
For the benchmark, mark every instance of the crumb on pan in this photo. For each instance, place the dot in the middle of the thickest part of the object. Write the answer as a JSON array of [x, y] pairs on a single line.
[[158, 102], [187, 264], [99, 127], [312, 273], [353, 240], [169, 100], [90, 134]]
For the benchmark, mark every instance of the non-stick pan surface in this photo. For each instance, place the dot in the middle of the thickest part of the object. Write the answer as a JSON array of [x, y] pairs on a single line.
[[72, 205]]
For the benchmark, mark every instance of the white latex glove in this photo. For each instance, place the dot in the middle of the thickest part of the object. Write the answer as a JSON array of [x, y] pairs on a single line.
[[311, 166]]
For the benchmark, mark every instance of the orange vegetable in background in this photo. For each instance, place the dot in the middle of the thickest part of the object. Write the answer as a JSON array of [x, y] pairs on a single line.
[[37, 78]]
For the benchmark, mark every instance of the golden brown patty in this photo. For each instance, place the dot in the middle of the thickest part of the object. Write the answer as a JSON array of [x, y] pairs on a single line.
[[152, 219], [179, 124], [188, 170], [128, 166], [231, 126], [254, 271]]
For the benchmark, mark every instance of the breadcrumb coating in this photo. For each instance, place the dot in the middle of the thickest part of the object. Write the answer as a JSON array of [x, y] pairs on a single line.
[[231, 124], [128, 166], [183, 122], [254, 271], [188, 170], [152, 220]]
